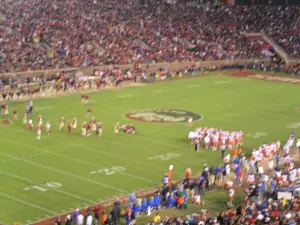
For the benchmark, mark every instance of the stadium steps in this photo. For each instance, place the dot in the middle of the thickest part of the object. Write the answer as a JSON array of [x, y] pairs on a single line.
[[143, 45], [2, 57], [47, 47], [279, 50], [98, 49]]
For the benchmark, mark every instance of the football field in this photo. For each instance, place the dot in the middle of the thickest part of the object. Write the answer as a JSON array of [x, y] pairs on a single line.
[[60, 172]]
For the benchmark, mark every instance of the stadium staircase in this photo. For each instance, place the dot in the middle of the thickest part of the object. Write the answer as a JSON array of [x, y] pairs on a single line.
[[98, 49], [2, 57], [269, 42]]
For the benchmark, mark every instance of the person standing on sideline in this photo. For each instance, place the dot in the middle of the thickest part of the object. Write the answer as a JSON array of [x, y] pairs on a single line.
[[79, 220], [89, 220], [165, 180], [57, 221], [231, 196], [197, 145], [68, 220], [298, 147], [277, 160]]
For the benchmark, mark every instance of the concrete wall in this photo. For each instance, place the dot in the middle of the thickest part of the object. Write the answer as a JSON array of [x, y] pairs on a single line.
[[151, 67]]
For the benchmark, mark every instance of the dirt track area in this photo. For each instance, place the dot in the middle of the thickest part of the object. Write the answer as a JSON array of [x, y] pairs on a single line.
[[266, 76]]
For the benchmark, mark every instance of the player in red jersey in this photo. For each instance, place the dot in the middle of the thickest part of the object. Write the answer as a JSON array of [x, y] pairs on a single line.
[[88, 129], [86, 99], [99, 129], [15, 115], [69, 128], [61, 123], [82, 99], [89, 111]]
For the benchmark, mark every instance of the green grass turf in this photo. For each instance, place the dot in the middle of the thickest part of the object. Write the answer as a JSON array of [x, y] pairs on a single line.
[[233, 104]]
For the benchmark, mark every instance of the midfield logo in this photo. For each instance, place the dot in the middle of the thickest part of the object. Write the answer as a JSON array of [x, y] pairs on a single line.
[[163, 116]]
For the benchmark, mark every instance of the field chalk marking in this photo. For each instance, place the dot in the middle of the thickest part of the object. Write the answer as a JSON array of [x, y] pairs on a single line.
[[42, 108], [63, 172], [28, 203], [80, 161], [99, 152], [44, 186]]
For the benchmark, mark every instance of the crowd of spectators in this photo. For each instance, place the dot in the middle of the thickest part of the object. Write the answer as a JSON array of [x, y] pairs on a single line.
[[268, 199], [38, 34], [17, 87]]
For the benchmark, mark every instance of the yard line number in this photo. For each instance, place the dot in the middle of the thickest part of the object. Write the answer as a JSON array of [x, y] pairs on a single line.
[[48, 186], [294, 126], [257, 134], [166, 156], [109, 171]]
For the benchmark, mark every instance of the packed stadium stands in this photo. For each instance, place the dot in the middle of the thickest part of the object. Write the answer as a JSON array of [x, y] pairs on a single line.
[[38, 34]]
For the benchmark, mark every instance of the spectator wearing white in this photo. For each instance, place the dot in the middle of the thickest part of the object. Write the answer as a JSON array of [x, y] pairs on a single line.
[[80, 219], [260, 170], [89, 220]]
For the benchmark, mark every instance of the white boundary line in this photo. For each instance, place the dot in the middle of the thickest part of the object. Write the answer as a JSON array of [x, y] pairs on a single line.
[[28, 203], [53, 189]]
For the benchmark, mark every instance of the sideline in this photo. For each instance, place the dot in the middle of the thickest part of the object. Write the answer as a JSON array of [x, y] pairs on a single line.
[[126, 84]]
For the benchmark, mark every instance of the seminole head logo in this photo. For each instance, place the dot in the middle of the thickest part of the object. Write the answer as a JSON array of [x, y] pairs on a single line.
[[163, 116]]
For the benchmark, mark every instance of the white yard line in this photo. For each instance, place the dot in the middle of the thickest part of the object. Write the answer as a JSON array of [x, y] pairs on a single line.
[[53, 189], [169, 145], [63, 172], [77, 160], [120, 157], [28, 203]]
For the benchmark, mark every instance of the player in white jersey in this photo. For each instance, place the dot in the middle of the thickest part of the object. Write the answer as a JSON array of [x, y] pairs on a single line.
[[190, 121], [40, 121], [298, 143], [271, 165], [250, 179], [48, 128], [293, 174], [30, 124], [38, 132], [191, 136], [290, 142], [25, 120], [74, 123], [83, 129], [231, 196], [207, 141], [286, 149]]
